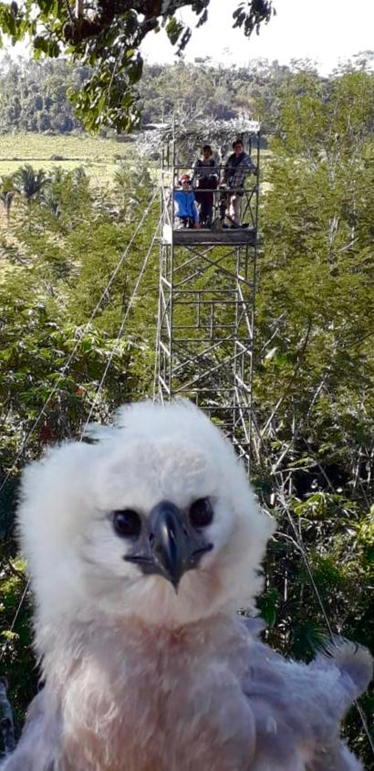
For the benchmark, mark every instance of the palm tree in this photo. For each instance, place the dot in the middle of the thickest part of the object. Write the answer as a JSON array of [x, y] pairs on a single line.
[[29, 183], [51, 194]]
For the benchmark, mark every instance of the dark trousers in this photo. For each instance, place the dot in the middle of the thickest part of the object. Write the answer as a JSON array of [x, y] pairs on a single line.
[[205, 200]]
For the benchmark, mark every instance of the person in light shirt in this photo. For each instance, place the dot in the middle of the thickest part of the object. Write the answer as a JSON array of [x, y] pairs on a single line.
[[238, 165]]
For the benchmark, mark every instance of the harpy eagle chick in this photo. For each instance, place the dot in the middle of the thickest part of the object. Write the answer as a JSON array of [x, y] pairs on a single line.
[[141, 547]]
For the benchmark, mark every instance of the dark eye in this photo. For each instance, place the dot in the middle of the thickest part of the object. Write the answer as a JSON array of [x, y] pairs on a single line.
[[201, 513], [127, 523]]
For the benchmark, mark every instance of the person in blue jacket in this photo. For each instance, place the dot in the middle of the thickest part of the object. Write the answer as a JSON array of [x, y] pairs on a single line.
[[185, 208]]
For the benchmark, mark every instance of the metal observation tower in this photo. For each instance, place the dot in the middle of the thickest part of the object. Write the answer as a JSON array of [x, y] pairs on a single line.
[[207, 287]]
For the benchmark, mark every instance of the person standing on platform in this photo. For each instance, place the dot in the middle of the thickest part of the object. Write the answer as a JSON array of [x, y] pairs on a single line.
[[204, 180], [185, 208], [237, 167]]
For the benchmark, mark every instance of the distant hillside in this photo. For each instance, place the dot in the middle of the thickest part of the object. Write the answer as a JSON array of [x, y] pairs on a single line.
[[34, 95]]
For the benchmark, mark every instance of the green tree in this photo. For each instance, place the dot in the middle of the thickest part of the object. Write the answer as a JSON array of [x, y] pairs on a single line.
[[66, 199], [314, 378], [29, 182], [108, 41]]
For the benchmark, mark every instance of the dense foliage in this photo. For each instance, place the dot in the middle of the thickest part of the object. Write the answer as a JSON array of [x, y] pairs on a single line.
[[314, 379], [313, 447]]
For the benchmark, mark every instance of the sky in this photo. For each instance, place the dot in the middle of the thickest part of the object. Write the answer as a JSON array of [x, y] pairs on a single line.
[[324, 30]]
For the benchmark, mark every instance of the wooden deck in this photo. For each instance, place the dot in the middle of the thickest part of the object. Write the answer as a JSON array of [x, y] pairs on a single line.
[[225, 237]]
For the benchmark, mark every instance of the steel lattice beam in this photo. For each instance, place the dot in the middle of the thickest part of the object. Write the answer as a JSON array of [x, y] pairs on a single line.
[[206, 314]]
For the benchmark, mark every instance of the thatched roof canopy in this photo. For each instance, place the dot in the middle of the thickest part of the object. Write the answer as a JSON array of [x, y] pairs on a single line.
[[190, 136]]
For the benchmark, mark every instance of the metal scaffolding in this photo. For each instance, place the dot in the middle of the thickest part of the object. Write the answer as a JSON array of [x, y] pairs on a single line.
[[207, 300]]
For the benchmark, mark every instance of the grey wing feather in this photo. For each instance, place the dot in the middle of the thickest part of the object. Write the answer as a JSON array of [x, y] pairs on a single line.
[[354, 662], [38, 746], [296, 705]]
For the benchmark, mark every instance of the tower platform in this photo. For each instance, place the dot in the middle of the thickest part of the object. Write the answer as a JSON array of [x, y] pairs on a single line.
[[207, 237]]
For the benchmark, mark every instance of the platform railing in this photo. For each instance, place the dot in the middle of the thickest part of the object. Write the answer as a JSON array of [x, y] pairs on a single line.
[[221, 196]]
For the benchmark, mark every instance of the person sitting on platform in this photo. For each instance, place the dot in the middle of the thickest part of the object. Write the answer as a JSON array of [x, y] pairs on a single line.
[[185, 209], [205, 179], [237, 167]]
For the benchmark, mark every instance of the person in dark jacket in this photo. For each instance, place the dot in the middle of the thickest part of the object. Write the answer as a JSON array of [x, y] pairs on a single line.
[[185, 209], [237, 167], [205, 179]]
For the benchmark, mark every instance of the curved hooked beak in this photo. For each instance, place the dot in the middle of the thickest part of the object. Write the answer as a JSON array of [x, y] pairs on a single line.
[[171, 546]]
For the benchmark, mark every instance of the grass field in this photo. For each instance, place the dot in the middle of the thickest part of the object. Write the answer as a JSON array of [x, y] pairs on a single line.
[[98, 156]]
